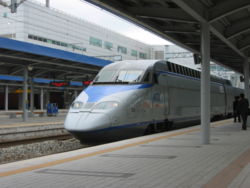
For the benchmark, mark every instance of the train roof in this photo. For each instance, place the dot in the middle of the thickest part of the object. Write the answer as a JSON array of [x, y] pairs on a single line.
[[145, 64]]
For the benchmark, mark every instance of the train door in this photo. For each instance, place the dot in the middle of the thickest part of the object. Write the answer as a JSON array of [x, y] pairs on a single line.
[[158, 102], [131, 114]]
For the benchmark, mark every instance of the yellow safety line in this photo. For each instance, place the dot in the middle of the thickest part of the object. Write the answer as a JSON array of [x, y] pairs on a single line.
[[61, 161], [223, 178]]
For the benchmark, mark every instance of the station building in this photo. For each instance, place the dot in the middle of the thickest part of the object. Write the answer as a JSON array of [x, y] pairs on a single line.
[[38, 24], [34, 23]]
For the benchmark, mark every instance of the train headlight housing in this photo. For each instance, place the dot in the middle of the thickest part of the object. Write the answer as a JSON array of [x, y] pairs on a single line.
[[107, 105], [77, 105]]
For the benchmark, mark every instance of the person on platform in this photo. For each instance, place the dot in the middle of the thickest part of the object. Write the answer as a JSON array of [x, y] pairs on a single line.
[[235, 109], [243, 110]]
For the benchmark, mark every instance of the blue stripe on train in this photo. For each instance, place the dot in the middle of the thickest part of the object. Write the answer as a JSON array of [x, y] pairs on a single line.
[[139, 124], [97, 92]]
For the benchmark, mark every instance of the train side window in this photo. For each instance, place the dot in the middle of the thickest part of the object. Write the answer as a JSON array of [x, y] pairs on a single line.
[[185, 70], [188, 72], [147, 77], [155, 78], [176, 68], [179, 69], [169, 66], [193, 73], [173, 67], [197, 72], [182, 70]]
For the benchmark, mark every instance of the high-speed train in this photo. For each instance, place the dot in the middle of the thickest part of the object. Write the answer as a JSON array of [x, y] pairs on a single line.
[[135, 97]]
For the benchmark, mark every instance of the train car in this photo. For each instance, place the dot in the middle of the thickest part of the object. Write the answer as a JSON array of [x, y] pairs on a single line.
[[136, 97]]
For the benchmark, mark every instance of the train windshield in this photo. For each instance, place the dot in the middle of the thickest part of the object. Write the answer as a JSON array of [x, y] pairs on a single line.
[[129, 76], [119, 76], [105, 76]]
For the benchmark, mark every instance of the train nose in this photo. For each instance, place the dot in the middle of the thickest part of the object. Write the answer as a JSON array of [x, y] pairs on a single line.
[[86, 121]]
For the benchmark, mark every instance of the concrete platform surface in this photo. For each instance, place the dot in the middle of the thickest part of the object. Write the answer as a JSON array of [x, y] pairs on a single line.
[[14, 129], [175, 159], [6, 122]]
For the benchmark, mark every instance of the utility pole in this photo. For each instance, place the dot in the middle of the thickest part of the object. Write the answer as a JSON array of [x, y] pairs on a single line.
[[47, 3], [13, 5]]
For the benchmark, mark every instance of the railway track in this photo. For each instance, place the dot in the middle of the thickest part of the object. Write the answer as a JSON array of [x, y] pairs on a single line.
[[35, 140]]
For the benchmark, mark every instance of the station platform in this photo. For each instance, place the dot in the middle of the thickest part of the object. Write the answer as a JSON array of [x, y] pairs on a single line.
[[36, 127], [170, 159], [7, 122]]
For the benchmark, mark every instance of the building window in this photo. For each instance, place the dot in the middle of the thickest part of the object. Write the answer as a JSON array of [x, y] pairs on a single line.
[[143, 55], [95, 42], [58, 43], [5, 14], [11, 35], [134, 53], [122, 49], [108, 45], [49, 41]]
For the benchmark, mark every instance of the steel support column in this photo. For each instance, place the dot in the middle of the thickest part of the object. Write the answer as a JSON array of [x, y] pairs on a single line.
[[75, 94], [205, 82], [25, 94], [246, 78], [47, 3], [6, 98], [31, 95], [41, 99]]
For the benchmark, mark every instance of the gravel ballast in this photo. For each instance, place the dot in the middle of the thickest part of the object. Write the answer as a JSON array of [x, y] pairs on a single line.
[[27, 151]]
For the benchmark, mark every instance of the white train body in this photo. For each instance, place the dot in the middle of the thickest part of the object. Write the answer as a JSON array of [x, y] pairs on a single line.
[[129, 97]]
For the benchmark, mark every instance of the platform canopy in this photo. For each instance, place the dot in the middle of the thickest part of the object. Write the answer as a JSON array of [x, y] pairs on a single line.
[[47, 63], [179, 22]]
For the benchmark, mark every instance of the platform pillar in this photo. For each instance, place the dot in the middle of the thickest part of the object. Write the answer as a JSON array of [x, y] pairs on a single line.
[[31, 95], [41, 99], [47, 3], [25, 94], [75, 94], [6, 98], [246, 78], [205, 82]]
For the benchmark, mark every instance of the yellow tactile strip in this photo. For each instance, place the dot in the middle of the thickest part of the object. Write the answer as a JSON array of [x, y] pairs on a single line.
[[61, 161], [228, 174]]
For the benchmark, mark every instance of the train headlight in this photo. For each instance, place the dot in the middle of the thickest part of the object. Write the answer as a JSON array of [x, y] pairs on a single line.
[[77, 105], [106, 105]]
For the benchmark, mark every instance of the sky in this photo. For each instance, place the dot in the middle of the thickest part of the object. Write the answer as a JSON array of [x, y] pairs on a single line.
[[105, 19]]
